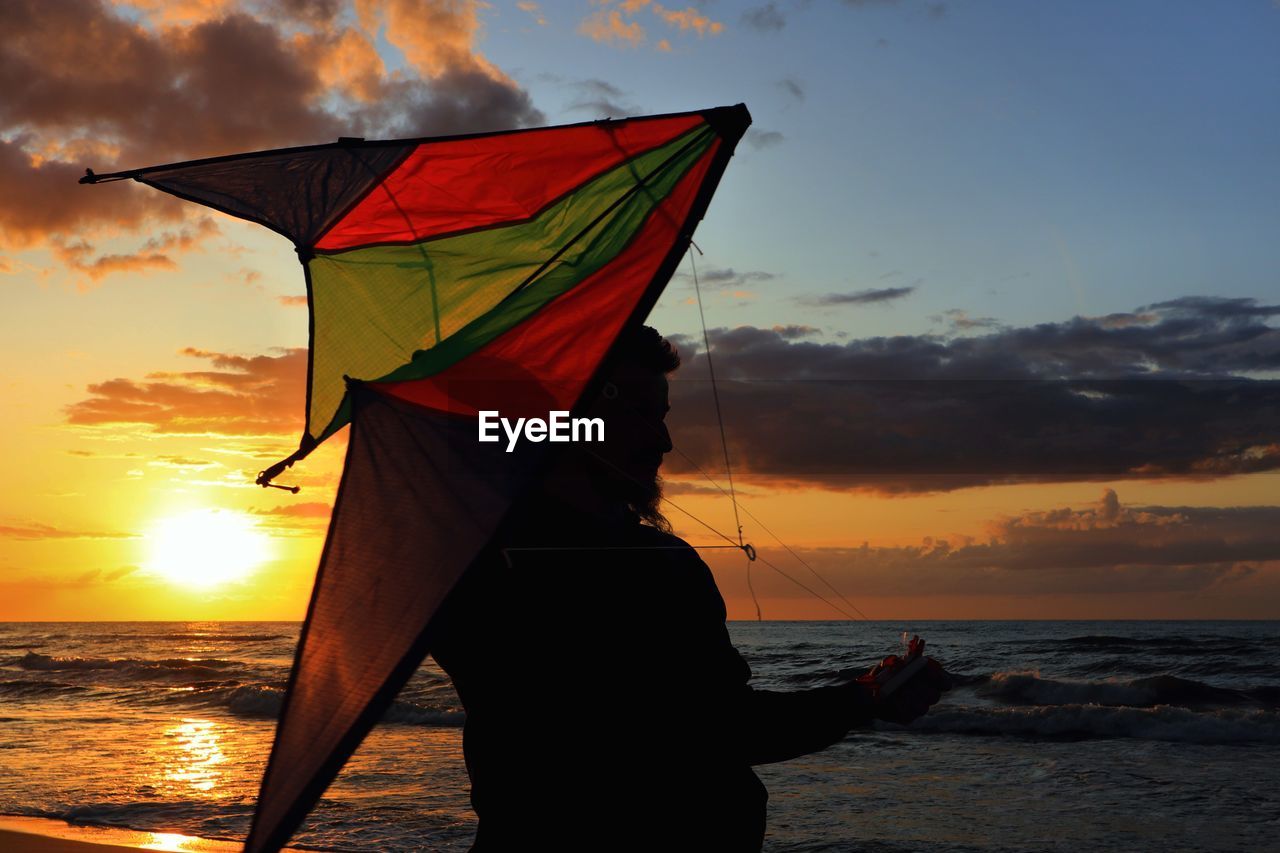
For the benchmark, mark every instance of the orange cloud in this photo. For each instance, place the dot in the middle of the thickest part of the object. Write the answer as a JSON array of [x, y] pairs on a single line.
[[87, 84], [607, 26], [611, 24], [164, 12], [241, 395], [534, 10], [436, 36], [34, 531], [152, 254], [1112, 550], [689, 19], [346, 60]]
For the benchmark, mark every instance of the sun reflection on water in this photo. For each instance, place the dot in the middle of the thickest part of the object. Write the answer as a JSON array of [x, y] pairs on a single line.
[[193, 756], [172, 841]]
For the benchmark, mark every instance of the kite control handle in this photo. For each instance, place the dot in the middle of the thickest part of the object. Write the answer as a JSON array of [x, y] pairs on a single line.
[[265, 477], [893, 672]]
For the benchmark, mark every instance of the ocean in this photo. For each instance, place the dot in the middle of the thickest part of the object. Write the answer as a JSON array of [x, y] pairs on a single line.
[[1101, 736]]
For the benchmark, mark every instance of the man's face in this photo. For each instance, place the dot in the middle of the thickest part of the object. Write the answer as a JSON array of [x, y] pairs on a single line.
[[633, 405]]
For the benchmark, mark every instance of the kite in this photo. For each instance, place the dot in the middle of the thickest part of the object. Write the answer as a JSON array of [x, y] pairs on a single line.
[[445, 276]]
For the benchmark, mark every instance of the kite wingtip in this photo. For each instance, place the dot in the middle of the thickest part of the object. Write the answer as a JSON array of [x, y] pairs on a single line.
[[729, 122]]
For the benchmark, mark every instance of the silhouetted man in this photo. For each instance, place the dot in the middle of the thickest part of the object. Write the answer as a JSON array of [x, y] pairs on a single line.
[[606, 707]]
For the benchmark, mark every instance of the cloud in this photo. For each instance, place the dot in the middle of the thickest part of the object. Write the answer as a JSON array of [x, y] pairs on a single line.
[[602, 99], [859, 297], [154, 253], [87, 84], [240, 395], [183, 463], [1081, 400], [533, 10], [311, 510], [1144, 550], [608, 27], [35, 531], [616, 24], [727, 277], [689, 18], [960, 321], [795, 332], [298, 301], [764, 19], [759, 139], [303, 518], [792, 87]]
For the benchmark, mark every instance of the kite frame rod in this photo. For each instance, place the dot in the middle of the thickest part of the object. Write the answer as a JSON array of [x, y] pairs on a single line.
[[91, 177]]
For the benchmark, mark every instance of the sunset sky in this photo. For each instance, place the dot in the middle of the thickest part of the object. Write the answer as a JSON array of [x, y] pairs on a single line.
[[946, 218]]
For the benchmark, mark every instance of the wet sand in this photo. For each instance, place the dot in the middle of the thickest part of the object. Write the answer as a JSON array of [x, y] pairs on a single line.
[[38, 835]]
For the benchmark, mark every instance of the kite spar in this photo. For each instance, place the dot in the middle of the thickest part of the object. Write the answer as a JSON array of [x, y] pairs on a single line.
[[444, 276]]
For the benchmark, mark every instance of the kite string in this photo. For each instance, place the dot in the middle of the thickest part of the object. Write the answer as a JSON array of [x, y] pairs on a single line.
[[724, 444], [715, 395], [750, 551], [775, 536]]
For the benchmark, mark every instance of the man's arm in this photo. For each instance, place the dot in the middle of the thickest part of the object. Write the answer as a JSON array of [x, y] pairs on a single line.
[[781, 726]]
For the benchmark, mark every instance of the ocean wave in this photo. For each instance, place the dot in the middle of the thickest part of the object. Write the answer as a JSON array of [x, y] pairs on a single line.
[[21, 687], [1029, 688], [189, 637], [265, 700], [1209, 644], [163, 669], [1162, 723], [179, 814]]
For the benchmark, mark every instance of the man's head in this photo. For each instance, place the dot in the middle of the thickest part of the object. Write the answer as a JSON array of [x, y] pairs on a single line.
[[633, 404]]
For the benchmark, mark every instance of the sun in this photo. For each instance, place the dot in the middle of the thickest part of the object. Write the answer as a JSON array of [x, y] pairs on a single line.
[[206, 547]]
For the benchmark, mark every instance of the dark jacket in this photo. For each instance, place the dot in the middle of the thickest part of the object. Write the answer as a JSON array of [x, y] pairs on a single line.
[[606, 707]]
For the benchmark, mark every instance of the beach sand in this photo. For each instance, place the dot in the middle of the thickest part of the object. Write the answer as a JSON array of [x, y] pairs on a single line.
[[39, 835]]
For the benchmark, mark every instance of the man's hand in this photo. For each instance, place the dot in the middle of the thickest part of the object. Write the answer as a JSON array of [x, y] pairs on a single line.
[[908, 702], [914, 698]]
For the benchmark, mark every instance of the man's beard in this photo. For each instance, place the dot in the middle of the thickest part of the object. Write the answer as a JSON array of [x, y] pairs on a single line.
[[645, 502], [642, 495]]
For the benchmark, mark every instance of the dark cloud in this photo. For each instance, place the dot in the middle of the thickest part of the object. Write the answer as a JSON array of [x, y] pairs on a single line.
[[1107, 548], [764, 19], [759, 139], [960, 321], [860, 297], [936, 10], [795, 332], [1084, 400], [727, 277], [792, 87], [602, 99], [86, 85], [241, 395]]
